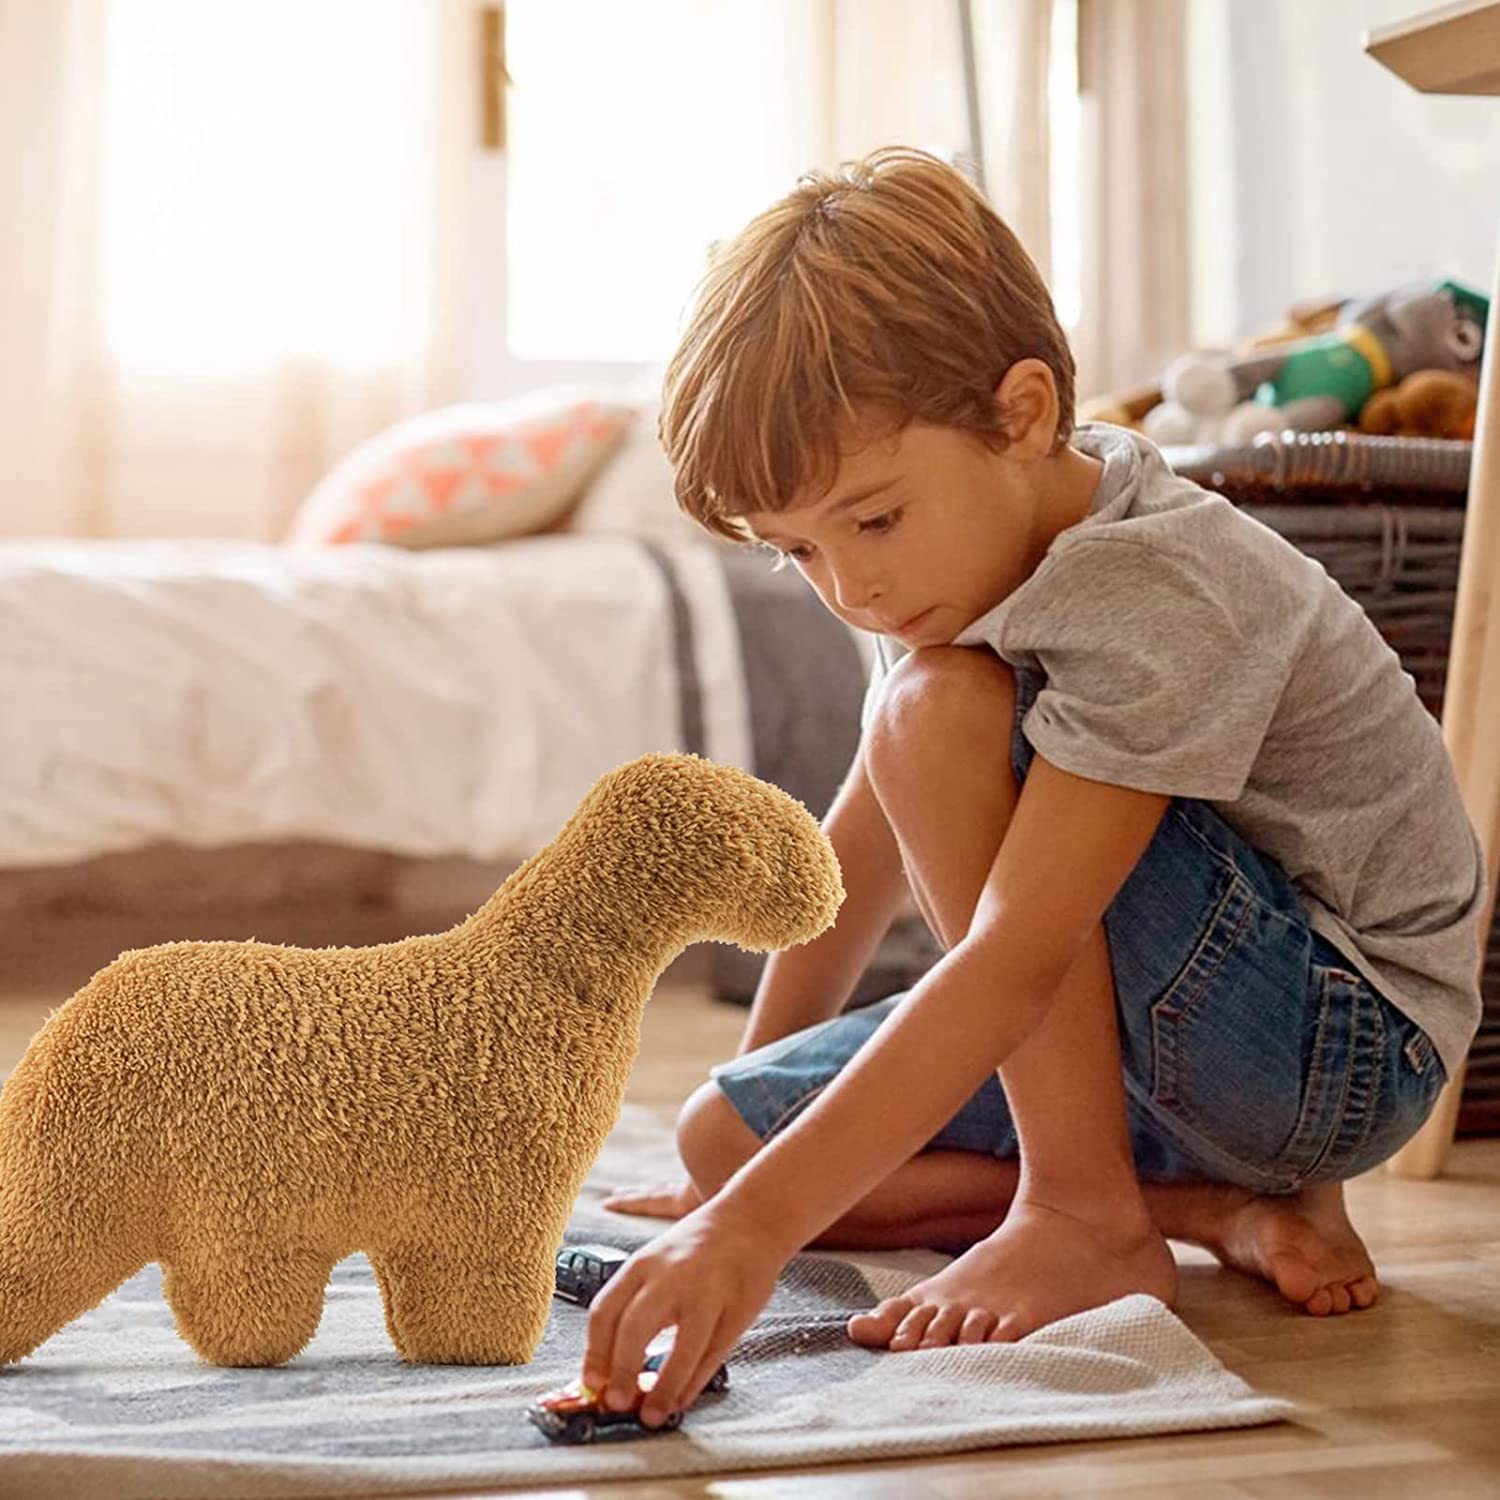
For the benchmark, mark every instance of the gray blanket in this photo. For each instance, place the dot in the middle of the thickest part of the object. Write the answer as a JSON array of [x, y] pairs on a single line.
[[116, 1406]]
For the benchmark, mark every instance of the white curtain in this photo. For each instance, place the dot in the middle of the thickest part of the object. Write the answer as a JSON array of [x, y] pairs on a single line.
[[243, 231], [897, 74], [234, 251], [1018, 117], [683, 118], [1136, 291]]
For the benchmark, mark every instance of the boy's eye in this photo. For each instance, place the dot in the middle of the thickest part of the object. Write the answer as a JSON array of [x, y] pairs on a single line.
[[800, 553], [882, 522]]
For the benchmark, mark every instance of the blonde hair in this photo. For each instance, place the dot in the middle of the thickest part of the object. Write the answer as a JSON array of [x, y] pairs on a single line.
[[884, 293]]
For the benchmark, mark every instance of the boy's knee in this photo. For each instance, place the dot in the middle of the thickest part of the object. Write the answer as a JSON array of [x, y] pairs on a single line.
[[712, 1139], [949, 695]]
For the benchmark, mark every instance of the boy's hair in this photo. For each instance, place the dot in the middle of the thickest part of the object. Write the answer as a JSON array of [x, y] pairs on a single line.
[[886, 292]]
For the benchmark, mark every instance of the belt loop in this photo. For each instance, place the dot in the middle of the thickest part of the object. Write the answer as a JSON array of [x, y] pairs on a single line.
[[1419, 1051]]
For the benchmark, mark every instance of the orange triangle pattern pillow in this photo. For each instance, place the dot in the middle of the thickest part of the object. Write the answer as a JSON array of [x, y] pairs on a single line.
[[466, 475]]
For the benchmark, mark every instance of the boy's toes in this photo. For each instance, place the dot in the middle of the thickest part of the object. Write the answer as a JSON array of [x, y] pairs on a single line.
[[1296, 1280], [876, 1329], [914, 1326], [976, 1327], [1319, 1302], [943, 1330], [1340, 1297], [661, 1200]]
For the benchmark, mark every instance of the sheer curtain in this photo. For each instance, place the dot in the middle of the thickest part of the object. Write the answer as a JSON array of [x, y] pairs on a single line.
[[244, 231], [681, 119], [236, 253], [1137, 290]]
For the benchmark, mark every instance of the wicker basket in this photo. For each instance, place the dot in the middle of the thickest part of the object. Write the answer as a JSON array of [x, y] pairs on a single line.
[[1385, 517]]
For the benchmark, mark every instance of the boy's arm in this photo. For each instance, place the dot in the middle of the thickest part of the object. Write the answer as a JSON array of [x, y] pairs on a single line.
[[1070, 846], [801, 986]]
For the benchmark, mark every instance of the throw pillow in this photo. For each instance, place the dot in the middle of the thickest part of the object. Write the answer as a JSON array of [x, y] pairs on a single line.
[[466, 475]]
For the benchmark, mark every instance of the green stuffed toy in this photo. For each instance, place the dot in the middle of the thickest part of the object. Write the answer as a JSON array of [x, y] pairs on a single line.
[[1324, 381]]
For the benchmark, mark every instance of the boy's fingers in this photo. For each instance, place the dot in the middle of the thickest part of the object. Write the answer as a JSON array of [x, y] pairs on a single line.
[[645, 1317], [713, 1356], [604, 1318], [677, 1369]]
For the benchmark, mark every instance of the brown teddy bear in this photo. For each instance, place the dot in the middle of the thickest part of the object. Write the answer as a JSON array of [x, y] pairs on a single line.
[[1428, 403], [249, 1114]]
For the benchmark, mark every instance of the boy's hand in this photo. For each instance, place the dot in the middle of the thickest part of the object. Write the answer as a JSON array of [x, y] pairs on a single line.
[[661, 1200], [709, 1274]]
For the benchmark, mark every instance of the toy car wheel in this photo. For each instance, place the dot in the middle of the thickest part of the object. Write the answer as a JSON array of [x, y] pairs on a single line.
[[670, 1423], [580, 1429]]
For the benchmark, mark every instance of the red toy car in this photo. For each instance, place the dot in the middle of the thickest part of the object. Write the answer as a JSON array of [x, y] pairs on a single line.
[[575, 1412]]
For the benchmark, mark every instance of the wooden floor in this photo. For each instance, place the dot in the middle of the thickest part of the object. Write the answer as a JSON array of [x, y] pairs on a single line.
[[1401, 1400]]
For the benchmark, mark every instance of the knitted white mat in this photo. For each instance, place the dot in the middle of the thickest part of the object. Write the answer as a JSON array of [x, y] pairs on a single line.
[[117, 1406]]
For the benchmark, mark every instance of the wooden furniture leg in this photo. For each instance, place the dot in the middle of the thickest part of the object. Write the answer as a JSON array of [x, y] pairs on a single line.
[[1471, 703]]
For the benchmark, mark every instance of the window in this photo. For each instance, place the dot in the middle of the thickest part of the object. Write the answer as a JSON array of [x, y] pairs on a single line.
[[258, 171], [638, 134]]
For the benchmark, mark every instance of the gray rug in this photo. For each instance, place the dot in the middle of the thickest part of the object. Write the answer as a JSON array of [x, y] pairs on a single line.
[[117, 1406]]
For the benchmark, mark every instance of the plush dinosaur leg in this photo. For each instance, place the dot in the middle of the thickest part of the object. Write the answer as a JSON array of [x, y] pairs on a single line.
[[475, 1300], [68, 1230], [55, 1264], [245, 1305]]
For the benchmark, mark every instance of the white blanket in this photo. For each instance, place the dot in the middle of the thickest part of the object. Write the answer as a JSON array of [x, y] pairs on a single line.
[[446, 703]]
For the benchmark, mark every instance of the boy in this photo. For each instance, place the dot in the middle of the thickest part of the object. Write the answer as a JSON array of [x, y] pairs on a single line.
[[1208, 895]]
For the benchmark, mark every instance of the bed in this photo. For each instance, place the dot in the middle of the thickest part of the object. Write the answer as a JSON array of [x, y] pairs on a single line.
[[194, 721], [209, 724]]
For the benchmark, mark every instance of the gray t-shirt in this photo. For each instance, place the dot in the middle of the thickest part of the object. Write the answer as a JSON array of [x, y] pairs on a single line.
[[1191, 650]]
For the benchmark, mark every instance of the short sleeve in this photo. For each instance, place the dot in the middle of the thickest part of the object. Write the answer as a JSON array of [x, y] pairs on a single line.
[[1156, 678]]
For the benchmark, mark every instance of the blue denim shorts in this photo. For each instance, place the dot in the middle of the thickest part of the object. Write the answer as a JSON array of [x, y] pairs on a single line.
[[1253, 1052]]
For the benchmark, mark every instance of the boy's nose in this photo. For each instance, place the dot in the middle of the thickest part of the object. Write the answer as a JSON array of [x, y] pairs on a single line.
[[854, 592]]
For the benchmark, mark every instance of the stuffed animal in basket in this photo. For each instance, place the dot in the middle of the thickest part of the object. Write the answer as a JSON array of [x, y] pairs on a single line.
[[1324, 381], [249, 1114], [1428, 403]]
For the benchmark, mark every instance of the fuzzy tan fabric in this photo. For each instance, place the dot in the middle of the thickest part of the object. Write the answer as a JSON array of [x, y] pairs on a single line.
[[248, 1114]]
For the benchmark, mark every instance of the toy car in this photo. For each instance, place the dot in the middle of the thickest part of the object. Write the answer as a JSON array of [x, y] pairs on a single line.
[[582, 1270], [575, 1412]]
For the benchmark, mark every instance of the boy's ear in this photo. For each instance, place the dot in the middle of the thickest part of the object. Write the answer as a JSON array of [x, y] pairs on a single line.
[[1027, 398]]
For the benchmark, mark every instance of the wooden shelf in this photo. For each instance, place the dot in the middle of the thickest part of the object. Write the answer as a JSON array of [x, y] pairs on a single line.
[[1454, 49]]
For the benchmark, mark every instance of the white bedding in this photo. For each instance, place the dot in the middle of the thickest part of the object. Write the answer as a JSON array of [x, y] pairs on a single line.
[[451, 702]]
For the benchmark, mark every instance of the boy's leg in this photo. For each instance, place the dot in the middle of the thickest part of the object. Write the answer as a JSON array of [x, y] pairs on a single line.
[[949, 1200], [1077, 1233], [950, 819]]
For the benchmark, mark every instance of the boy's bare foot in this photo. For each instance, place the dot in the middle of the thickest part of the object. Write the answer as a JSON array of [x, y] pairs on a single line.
[[1040, 1265], [1303, 1243], [661, 1200]]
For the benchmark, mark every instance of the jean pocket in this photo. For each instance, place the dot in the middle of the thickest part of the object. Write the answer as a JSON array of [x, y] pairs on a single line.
[[1227, 1040], [1349, 1121]]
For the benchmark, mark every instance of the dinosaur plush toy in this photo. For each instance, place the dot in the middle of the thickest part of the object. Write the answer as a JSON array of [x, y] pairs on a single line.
[[1324, 381], [249, 1114]]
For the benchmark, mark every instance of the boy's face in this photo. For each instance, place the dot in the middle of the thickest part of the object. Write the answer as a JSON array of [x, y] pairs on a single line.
[[920, 533]]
